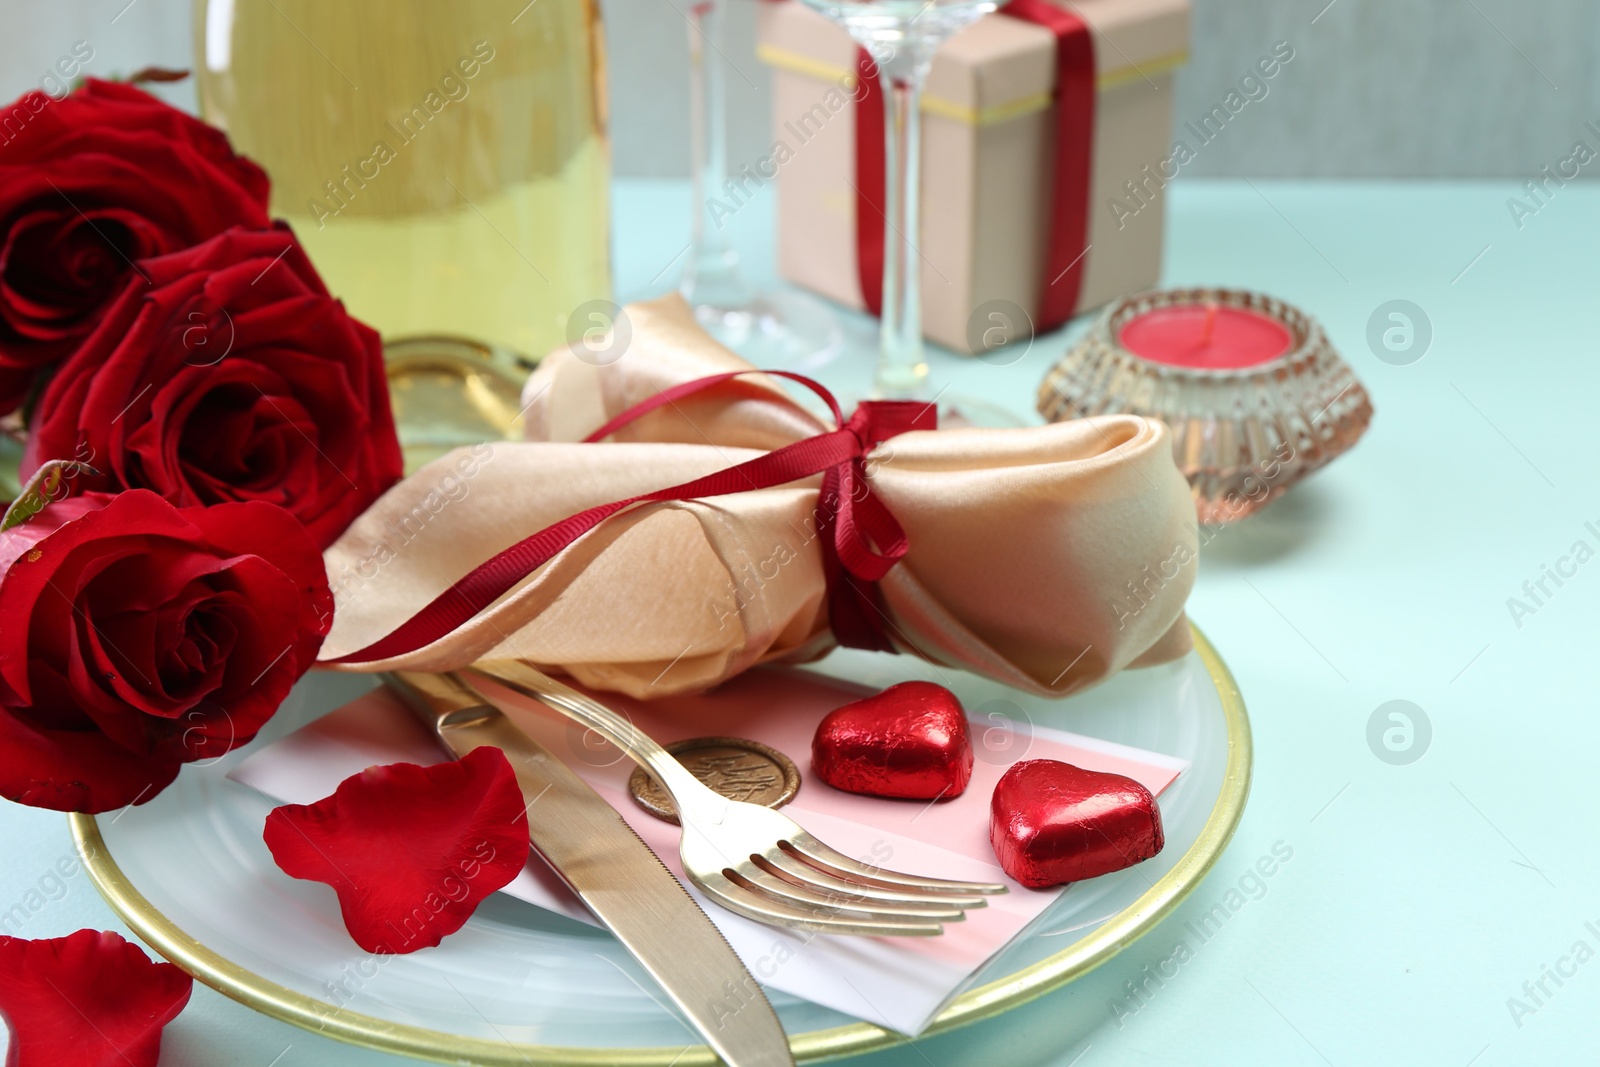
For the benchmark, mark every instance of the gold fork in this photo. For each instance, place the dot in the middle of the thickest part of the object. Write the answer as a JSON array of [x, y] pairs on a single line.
[[755, 861]]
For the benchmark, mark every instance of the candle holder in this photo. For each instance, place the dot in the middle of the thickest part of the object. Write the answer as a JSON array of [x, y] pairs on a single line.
[[1241, 434]]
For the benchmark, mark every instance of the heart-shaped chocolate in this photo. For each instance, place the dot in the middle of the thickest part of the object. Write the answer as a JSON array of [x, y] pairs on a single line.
[[1051, 822], [909, 741]]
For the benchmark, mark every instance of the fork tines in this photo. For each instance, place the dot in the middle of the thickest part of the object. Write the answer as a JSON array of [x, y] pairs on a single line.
[[804, 883]]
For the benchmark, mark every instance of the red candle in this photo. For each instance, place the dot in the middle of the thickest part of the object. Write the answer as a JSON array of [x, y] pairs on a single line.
[[1207, 336]]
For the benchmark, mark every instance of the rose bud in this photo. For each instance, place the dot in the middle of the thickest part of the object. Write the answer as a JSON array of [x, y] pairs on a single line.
[[90, 184], [139, 637], [228, 373]]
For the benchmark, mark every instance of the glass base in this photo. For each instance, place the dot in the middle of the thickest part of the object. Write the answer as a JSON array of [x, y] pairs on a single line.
[[957, 410], [449, 393], [777, 330]]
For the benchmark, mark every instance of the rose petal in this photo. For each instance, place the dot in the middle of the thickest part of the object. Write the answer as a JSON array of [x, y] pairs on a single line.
[[89, 999], [410, 850], [68, 769]]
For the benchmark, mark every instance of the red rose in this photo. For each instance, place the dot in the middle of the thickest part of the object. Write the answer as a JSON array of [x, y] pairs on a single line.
[[230, 375], [138, 637], [89, 185]]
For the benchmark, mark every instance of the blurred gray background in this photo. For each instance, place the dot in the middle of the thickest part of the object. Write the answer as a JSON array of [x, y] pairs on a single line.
[[1378, 88]]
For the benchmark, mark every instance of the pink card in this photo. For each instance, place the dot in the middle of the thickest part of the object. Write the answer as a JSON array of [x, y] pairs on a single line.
[[899, 983]]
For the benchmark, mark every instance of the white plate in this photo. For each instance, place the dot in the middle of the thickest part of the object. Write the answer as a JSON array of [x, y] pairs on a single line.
[[190, 874]]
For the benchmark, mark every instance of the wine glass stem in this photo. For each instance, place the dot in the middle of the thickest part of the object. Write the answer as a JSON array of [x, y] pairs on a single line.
[[902, 364], [712, 274]]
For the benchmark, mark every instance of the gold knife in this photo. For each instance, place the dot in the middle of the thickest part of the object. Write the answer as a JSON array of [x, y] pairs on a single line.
[[616, 875]]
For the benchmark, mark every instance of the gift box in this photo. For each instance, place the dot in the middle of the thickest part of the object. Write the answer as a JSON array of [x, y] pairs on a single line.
[[1047, 142]]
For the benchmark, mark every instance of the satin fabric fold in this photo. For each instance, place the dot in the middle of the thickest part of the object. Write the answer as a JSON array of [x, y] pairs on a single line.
[[1047, 558]]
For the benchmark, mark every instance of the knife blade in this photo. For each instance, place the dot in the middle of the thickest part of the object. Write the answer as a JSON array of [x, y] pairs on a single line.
[[615, 873]]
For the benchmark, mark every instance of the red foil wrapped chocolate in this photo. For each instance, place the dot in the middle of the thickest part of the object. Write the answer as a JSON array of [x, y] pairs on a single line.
[[909, 741], [1051, 822]]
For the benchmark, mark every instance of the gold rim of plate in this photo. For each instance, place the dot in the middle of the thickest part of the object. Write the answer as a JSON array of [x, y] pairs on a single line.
[[984, 1002]]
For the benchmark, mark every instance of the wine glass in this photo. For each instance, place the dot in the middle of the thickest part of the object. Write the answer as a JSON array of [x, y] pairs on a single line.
[[770, 329], [901, 36]]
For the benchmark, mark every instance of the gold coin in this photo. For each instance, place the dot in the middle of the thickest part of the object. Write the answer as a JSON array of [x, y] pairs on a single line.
[[734, 767]]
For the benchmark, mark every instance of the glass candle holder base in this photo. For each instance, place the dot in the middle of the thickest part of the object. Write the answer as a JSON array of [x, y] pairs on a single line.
[[959, 410], [1255, 395], [776, 330]]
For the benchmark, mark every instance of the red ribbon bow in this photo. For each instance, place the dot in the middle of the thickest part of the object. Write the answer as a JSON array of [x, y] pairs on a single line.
[[861, 540]]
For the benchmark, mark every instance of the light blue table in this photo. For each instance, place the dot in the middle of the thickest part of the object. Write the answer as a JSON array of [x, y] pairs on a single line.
[[1420, 897]]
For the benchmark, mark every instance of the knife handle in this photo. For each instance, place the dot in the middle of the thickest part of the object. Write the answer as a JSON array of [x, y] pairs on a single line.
[[462, 721], [694, 800], [591, 847], [436, 694]]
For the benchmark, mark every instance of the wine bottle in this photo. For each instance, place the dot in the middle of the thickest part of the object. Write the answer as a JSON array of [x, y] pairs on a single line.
[[444, 162]]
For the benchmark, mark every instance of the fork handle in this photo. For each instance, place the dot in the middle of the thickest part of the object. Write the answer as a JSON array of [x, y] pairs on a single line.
[[695, 801]]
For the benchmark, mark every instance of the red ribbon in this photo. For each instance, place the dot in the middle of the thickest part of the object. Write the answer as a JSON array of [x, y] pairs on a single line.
[[1069, 184], [870, 181], [860, 538]]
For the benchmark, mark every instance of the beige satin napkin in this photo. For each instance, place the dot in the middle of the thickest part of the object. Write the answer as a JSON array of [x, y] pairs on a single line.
[[1047, 558]]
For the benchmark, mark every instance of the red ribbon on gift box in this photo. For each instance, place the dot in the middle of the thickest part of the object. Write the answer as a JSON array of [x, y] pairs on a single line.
[[1069, 183], [860, 538]]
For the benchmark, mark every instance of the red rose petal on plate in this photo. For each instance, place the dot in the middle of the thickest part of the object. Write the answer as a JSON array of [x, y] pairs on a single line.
[[411, 851], [89, 999]]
